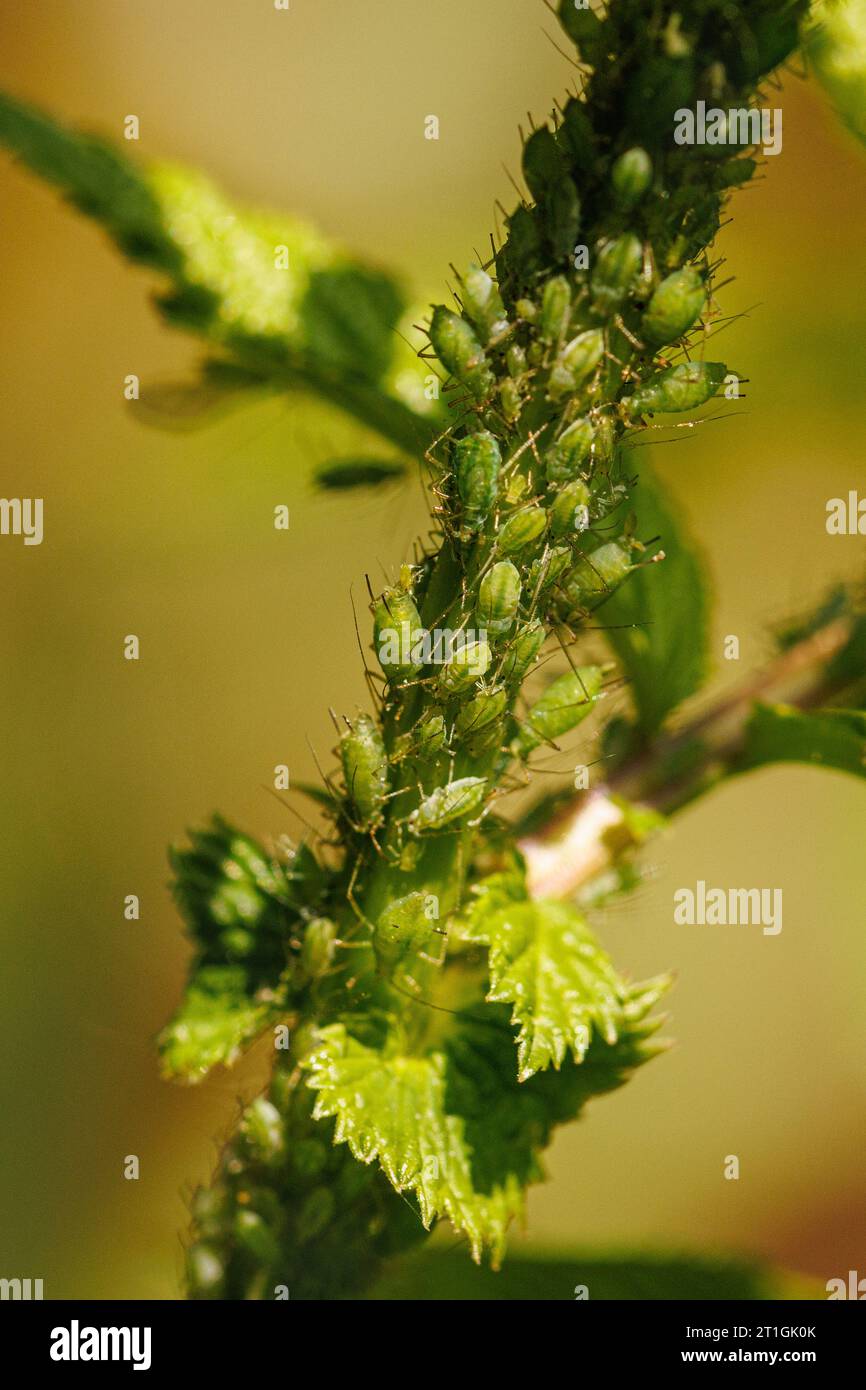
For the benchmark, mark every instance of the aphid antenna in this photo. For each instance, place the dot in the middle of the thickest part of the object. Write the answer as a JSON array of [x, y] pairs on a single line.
[[618, 627], [324, 776], [287, 806], [730, 281], [440, 1008]]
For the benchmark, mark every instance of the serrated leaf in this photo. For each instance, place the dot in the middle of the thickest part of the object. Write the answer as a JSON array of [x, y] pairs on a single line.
[[392, 1108], [825, 738], [219, 1016], [453, 1125], [545, 961], [241, 907], [289, 304], [657, 623]]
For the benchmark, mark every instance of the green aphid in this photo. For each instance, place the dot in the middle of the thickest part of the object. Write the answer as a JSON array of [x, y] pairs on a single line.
[[515, 360], [482, 302], [253, 1234], [426, 740], [563, 460], [522, 653], [521, 529], [397, 633], [542, 162], [477, 461], [683, 387], [570, 515], [498, 599], [511, 400], [478, 724], [548, 568], [317, 948], [675, 307], [262, 1131], [468, 663], [523, 248], [631, 176], [456, 801], [617, 266], [458, 349], [595, 576], [365, 770], [604, 445], [405, 935], [555, 309], [562, 218], [576, 362], [566, 702], [527, 309], [430, 735]]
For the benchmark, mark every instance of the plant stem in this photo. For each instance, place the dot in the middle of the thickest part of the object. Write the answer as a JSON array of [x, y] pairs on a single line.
[[585, 838]]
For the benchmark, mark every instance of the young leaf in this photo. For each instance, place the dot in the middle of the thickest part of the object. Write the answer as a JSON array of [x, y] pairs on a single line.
[[454, 1126], [239, 905], [282, 299], [658, 623], [218, 1017], [544, 960], [825, 738]]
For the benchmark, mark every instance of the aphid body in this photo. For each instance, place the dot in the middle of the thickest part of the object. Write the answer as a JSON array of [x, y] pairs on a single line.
[[365, 769], [446, 805], [397, 633], [477, 461], [498, 598], [683, 387], [565, 704]]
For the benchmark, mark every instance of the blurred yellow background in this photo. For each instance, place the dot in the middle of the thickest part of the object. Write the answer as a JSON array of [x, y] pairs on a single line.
[[247, 633]]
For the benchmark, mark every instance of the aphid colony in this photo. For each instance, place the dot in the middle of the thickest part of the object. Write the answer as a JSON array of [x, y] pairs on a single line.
[[551, 358]]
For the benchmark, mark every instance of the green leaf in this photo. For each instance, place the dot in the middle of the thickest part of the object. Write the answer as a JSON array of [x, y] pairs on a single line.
[[443, 1275], [241, 907], [287, 303], [545, 961], [826, 738], [453, 1125], [657, 623], [218, 1017], [835, 41]]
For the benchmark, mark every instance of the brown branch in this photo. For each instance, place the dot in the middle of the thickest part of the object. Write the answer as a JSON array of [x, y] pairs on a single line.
[[586, 837]]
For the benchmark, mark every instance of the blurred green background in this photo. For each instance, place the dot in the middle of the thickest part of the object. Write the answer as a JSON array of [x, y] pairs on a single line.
[[247, 633]]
